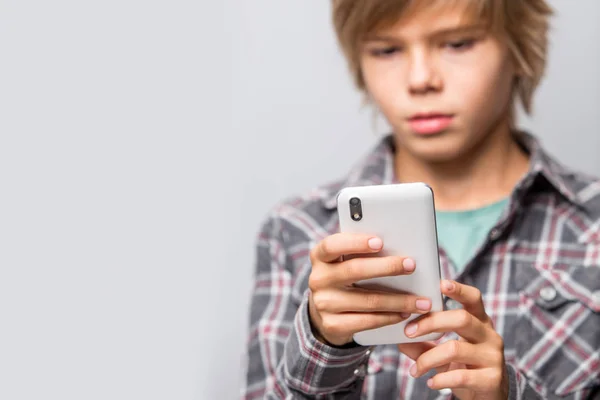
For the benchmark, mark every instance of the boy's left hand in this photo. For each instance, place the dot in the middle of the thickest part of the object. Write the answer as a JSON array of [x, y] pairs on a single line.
[[473, 366]]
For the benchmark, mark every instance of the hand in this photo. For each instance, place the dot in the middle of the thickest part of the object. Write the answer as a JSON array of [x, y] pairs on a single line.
[[473, 366], [337, 309]]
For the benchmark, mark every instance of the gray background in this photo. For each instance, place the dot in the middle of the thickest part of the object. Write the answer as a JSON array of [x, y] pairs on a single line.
[[141, 144]]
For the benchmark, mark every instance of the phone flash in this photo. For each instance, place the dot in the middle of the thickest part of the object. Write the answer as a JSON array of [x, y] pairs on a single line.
[[356, 216]]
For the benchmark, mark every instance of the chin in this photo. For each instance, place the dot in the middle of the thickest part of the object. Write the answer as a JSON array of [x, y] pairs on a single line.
[[442, 156], [441, 148]]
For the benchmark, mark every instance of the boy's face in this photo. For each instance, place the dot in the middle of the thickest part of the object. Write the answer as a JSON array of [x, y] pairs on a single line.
[[443, 82]]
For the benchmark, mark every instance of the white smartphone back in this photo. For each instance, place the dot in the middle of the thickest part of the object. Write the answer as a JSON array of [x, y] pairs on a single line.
[[403, 216]]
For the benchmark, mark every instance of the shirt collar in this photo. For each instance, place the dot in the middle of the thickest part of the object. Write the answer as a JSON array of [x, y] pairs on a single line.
[[378, 168]]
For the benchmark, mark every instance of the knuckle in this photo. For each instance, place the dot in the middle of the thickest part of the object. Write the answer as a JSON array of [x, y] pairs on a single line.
[[394, 266], [498, 356], [494, 378], [320, 301], [497, 376], [406, 303], [314, 254], [421, 364], [326, 247], [477, 294], [372, 301], [409, 304], [453, 348], [352, 269], [371, 322], [316, 280], [463, 318], [500, 345], [358, 243], [330, 326], [463, 379]]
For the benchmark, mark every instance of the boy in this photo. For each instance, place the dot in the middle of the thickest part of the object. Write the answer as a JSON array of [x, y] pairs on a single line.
[[519, 233]]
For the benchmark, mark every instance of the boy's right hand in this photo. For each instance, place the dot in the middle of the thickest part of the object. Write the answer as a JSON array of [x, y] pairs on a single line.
[[338, 309]]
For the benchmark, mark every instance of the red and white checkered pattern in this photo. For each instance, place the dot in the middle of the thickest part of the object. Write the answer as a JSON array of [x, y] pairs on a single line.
[[539, 272]]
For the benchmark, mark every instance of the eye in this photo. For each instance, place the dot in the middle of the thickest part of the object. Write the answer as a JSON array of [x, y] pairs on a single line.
[[460, 45], [385, 51]]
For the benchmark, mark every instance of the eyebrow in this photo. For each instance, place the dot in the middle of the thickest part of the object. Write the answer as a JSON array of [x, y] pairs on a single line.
[[438, 33]]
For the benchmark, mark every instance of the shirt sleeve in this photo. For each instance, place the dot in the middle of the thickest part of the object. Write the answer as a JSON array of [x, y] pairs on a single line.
[[283, 358]]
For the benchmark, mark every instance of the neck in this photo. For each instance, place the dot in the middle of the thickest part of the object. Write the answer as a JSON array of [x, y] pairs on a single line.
[[485, 174]]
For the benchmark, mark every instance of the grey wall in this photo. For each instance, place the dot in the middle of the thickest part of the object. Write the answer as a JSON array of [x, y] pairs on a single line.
[[141, 144], [566, 113]]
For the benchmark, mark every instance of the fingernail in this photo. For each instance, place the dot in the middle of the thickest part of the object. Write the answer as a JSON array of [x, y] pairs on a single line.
[[430, 382], [413, 370], [449, 286], [408, 264], [423, 305], [405, 315], [410, 329], [375, 243]]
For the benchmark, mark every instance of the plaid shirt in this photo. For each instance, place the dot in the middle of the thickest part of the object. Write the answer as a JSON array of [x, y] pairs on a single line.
[[538, 271]]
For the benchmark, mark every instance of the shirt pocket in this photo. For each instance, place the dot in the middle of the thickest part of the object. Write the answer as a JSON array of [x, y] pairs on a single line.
[[384, 358], [557, 334], [380, 380], [375, 361]]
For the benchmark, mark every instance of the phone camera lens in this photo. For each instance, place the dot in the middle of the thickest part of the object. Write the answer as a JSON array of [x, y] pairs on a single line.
[[355, 209]]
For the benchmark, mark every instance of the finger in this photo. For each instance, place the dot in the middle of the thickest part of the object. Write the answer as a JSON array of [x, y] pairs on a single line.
[[452, 351], [347, 324], [357, 269], [414, 350], [468, 296], [360, 300], [479, 380], [361, 268], [459, 321], [335, 246]]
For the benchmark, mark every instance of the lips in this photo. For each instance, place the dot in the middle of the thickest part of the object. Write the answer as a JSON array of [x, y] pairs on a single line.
[[430, 123]]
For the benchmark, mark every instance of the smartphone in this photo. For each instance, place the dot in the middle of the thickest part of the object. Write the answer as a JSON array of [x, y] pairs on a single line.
[[403, 216]]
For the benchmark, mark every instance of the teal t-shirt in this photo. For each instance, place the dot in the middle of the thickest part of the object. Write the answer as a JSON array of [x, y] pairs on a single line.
[[460, 233]]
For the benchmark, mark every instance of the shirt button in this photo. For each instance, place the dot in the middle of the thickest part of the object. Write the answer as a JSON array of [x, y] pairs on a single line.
[[360, 371], [494, 234], [548, 293]]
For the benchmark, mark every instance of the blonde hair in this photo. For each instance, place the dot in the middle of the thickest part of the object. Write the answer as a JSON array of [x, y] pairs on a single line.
[[524, 23]]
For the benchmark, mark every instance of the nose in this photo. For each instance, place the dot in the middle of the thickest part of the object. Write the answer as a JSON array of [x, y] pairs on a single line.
[[423, 77]]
